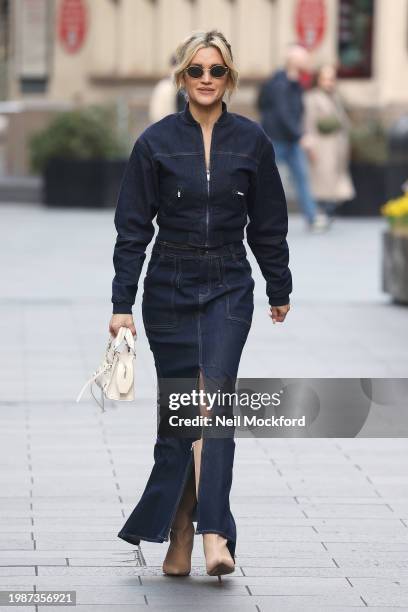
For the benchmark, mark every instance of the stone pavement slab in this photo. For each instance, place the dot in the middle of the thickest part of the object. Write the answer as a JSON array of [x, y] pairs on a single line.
[[322, 523]]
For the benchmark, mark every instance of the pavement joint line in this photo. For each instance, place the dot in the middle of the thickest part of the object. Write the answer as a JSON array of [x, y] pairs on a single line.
[[357, 462]]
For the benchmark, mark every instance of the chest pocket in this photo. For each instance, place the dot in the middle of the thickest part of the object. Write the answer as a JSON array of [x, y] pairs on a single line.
[[174, 199], [239, 195], [239, 192], [178, 194], [240, 169]]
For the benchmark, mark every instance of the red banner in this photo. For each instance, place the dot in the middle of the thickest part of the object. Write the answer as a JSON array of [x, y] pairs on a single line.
[[310, 22], [72, 24]]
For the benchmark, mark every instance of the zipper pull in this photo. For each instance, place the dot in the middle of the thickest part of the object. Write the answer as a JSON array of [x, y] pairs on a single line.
[[178, 192], [208, 175]]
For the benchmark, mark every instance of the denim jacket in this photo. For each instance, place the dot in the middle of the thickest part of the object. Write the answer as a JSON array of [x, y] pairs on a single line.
[[166, 177]]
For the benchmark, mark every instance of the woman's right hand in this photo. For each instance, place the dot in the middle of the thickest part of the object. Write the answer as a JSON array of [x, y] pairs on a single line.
[[308, 145], [121, 320]]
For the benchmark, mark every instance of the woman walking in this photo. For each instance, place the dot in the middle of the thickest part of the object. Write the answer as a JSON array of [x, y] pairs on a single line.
[[327, 143], [203, 171]]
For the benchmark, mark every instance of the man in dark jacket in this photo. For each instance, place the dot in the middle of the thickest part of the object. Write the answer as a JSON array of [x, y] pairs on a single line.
[[280, 102]]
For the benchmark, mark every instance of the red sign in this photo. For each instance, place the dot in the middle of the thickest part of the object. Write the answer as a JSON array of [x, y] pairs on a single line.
[[72, 24], [310, 22]]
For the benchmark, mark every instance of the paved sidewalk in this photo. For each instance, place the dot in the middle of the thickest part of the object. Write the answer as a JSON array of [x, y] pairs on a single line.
[[322, 524]]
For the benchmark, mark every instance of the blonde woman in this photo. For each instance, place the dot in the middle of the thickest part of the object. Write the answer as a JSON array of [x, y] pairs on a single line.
[[327, 143], [203, 171]]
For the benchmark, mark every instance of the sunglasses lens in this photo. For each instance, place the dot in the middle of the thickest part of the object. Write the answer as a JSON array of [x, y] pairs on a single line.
[[195, 71], [218, 71]]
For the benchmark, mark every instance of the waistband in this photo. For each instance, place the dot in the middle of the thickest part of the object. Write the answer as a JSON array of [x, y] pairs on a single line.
[[193, 238], [178, 248]]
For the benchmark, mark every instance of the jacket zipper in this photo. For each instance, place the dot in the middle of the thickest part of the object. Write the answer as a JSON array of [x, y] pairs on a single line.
[[207, 211]]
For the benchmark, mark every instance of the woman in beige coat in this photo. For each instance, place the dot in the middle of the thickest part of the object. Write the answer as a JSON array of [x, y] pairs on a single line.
[[327, 143]]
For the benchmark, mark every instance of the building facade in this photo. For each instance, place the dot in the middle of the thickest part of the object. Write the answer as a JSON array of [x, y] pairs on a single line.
[[96, 51]]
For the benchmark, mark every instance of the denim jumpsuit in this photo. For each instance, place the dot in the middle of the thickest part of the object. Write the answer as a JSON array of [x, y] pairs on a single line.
[[198, 300]]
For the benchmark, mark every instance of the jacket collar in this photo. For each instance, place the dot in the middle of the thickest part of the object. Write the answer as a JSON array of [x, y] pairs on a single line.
[[188, 117]]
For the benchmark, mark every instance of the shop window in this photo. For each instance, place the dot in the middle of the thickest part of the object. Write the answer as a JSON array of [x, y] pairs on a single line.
[[355, 38]]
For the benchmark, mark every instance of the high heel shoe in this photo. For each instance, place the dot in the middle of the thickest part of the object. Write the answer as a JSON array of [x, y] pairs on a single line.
[[217, 556], [178, 558]]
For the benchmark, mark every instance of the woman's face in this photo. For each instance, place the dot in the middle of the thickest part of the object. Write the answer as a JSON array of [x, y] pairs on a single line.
[[327, 78], [206, 90]]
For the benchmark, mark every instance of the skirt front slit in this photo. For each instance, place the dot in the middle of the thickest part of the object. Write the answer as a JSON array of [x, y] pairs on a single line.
[[197, 311]]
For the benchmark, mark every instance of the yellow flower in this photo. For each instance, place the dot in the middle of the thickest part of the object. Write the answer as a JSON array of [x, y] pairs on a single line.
[[397, 207]]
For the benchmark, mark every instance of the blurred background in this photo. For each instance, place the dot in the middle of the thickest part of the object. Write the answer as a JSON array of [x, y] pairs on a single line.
[[80, 80], [322, 522], [57, 55]]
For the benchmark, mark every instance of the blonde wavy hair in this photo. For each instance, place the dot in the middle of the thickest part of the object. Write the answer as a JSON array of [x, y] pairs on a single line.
[[198, 40]]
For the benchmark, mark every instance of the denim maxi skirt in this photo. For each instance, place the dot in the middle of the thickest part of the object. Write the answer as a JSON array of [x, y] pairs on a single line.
[[197, 311]]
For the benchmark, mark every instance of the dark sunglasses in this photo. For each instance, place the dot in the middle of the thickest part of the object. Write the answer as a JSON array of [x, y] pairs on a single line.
[[217, 71]]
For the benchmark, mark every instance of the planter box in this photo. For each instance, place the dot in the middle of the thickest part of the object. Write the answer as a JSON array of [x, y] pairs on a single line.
[[90, 183], [395, 266], [370, 184], [397, 174]]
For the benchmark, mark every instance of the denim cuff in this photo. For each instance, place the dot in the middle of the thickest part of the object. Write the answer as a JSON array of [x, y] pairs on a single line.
[[279, 301], [122, 308]]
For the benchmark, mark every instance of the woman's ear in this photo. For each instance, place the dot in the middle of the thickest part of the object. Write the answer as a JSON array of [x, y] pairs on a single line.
[[183, 82]]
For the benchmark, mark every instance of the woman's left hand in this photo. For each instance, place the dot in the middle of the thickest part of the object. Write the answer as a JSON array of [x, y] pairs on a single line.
[[278, 313]]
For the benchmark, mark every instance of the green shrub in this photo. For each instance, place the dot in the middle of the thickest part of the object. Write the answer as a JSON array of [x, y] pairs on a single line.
[[78, 134]]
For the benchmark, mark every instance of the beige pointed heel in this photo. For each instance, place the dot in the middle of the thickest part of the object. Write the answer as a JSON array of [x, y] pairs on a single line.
[[217, 556], [178, 557]]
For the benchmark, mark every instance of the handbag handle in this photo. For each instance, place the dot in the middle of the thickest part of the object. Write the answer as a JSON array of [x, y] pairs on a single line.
[[124, 334], [125, 370]]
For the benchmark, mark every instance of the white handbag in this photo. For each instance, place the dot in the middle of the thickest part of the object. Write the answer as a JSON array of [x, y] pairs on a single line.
[[115, 375]]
